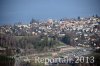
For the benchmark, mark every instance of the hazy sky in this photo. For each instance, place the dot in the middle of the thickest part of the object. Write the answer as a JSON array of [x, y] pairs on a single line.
[[12, 11]]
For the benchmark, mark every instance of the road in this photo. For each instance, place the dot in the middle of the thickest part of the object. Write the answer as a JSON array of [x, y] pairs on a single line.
[[79, 51]]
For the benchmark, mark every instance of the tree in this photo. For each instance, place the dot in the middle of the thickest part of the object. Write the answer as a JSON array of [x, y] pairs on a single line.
[[96, 16], [33, 21], [6, 61], [78, 18], [66, 39]]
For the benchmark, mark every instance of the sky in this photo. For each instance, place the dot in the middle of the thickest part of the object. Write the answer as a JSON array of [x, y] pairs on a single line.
[[12, 11]]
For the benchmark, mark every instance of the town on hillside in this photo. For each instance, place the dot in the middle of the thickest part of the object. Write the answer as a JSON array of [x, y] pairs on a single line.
[[21, 44]]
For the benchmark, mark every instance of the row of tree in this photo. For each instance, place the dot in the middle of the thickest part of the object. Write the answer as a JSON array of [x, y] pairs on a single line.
[[39, 42]]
